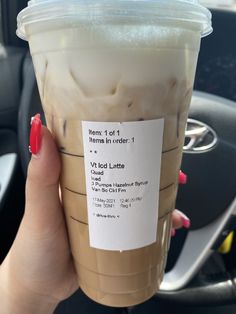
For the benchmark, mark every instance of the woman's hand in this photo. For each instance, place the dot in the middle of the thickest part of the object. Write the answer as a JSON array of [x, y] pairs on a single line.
[[38, 271]]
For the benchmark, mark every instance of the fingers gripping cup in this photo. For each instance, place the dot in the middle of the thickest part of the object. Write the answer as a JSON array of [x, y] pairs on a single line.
[[115, 79]]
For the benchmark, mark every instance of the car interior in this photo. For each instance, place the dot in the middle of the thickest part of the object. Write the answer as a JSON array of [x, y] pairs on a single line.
[[201, 269]]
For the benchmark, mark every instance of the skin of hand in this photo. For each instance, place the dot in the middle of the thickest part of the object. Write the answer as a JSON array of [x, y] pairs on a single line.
[[39, 264], [38, 271]]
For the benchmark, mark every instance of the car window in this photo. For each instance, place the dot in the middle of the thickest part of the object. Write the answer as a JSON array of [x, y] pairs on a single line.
[[2, 49], [0, 22], [230, 4]]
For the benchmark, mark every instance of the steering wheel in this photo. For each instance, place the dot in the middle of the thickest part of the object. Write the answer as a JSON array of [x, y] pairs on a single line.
[[208, 199]]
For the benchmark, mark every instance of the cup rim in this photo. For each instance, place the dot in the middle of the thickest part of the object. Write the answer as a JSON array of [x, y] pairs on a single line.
[[100, 11]]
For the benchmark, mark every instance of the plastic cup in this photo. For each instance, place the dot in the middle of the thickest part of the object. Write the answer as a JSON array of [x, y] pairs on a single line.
[[115, 79]]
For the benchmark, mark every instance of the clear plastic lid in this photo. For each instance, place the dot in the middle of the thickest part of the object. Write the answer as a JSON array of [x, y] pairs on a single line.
[[151, 11]]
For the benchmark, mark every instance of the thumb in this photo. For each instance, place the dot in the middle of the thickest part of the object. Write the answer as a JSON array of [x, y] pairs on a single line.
[[43, 209]]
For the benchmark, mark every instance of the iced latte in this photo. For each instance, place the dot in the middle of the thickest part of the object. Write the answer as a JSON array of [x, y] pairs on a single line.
[[116, 91]]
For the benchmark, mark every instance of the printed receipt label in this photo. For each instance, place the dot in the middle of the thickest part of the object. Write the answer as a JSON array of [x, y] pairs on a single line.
[[122, 168]]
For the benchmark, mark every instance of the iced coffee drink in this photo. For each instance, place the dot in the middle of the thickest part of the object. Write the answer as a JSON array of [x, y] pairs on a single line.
[[116, 94]]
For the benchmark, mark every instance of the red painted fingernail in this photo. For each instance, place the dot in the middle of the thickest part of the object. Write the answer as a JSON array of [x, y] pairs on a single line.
[[182, 178], [173, 232], [186, 223], [185, 220], [35, 134]]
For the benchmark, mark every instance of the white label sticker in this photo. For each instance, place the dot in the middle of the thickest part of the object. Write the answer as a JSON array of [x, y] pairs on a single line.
[[122, 167]]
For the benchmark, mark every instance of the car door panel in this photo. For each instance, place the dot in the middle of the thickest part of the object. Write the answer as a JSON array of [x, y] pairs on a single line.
[[11, 178], [11, 60]]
